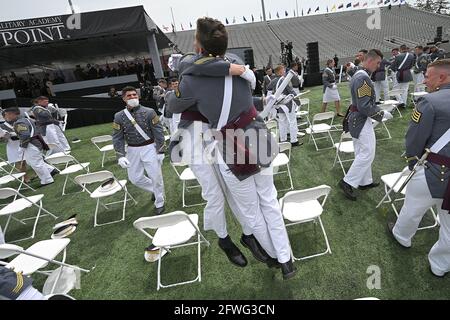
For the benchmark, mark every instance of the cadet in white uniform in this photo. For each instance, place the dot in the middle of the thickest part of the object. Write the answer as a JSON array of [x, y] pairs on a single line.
[[140, 128], [330, 89], [359, 124], [429, 129]]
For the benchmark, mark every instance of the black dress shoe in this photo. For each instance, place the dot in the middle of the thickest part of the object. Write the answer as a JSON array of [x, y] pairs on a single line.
[[369, 186], [233, 253], [253, 245], [348, 190], [296, 144], [288, 269], [160, 211], [45, 185], [273, 263], [390, 227]]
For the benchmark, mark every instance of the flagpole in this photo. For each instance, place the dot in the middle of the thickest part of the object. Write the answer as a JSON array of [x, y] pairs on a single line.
[[296, 5], [173, 20], [263, 10], [71, 6]]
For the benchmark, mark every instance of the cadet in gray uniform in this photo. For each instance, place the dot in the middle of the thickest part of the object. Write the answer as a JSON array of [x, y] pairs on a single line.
[[16, 286], [33, 145], [330, 89], [268, 79], [420, 67], [402, 65], [436, 53], [286, 109], [139, 127], [430, 185], [192, 125], [251, 182], [380, 81], [359, 123]]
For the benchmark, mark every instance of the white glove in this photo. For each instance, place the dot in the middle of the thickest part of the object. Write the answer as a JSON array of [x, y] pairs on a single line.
[[269, 99], [174, 61], [124, 163], [387, 115], [160, 157], [334, 87], [249, 76]]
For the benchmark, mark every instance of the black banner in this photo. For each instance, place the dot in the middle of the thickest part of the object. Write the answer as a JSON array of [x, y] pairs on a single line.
[[77, 26]]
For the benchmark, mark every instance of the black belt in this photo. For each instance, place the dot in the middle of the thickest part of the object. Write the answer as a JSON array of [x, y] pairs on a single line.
[[146, 143]]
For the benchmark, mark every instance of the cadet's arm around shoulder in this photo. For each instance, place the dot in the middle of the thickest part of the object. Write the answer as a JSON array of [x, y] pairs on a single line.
[[177, 104]]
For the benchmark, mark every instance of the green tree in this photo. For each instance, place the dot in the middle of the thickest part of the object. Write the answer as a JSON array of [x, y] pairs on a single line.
[[436, 6]]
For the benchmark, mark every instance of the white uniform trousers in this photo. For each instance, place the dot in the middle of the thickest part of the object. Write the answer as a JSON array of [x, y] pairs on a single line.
[[288, 123], [145, 159], [381, 86], [403, 97], [2, 236], [176, 118], [418, 80], [54, 135], [417, 202], [34, 158], [257, 199], [14, 152], [360, 173]]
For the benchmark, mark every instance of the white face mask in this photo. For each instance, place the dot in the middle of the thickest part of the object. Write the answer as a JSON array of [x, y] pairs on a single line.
[[133, 103]]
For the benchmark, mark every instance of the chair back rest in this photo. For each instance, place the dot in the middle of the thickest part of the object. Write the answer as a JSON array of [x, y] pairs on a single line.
[[93, 177], [305, 101], [395, 92], [6, 193], [8, 250], [307, 195], [101, 139], [323, 117], [176, 165], [272, 124], [64, 159], [346, 136], [285, 147], [162, 221]]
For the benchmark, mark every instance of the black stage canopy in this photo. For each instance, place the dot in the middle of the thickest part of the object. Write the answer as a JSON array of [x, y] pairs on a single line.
[[68, 39]]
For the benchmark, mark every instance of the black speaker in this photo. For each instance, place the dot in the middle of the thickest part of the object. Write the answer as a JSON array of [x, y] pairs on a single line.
[[312, 51], [249, 58], [439, 32]]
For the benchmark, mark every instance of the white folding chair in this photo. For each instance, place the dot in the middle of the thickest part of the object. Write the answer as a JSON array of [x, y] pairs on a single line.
[[55, 151], [392, 104], [384, 126], [99, 142], [272, 126], [19, 204], [345, 146], [10, 174], [320, 130], [304, 114], [173, 230], [392, 184], [71, 166], [283, 159], [189, 182], [37, 257], [100, 193], [303, 206]]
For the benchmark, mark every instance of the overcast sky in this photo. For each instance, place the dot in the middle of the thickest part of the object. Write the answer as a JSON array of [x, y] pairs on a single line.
[[185, 12]]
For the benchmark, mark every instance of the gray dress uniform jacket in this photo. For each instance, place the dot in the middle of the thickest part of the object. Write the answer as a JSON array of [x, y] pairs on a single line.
[[363, 103], [273, 86], [27, 132], [430, 120], [9, 129], [207, 94], [43, 118], [422, 62], [328, 78], [12, 284], [125, 132], [380, 73], [404, 74], [267, 80]]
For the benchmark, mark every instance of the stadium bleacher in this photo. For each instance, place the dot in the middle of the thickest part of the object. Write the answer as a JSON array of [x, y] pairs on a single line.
[[342, 33]]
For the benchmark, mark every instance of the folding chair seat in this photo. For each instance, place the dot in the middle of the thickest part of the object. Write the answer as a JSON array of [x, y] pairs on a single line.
[[37, 257], [392, 184], [71, 166], [173, 230], [283, 159], [320, 130], [109, 186], [299, 207], [272, 126], [11, 174], [99, 142], [189, 182], [345, 146], [19, 204], [384, 126], [303, 115]]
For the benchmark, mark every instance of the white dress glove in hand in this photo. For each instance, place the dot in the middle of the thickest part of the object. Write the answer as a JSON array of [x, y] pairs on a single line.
[[124, 163], [334, 87], [387, 115], [161, 157], [249, 76]]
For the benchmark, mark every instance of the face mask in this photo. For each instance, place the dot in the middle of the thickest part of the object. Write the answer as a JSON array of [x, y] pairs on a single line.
[[133, 103]]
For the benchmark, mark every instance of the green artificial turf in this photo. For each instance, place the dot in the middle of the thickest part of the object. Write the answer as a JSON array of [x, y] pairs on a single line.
[[356, 231]]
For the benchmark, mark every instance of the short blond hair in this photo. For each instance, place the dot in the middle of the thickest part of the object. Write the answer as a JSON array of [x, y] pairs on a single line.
[[278, 68], [443, 63]]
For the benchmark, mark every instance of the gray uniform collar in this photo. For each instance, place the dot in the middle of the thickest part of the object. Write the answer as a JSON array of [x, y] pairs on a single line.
[[446, 86]]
